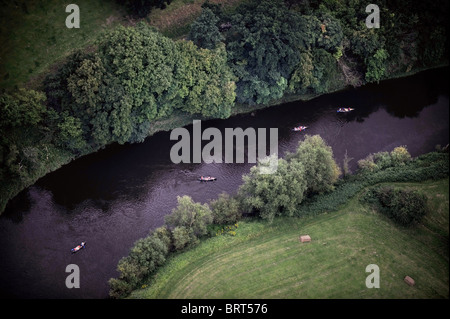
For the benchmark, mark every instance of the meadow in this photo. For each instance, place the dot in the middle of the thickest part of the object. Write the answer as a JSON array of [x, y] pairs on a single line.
[[268, 261]]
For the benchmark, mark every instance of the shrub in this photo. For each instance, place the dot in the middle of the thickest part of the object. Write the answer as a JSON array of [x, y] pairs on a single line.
[[183, 238], [367, 164], [321, 170], [225, 209], [400, 155], [404, 206], [145, 257], [274, 194], [195, 217]]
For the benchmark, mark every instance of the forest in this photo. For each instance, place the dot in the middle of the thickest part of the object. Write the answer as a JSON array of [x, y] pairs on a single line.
[[256, 54]]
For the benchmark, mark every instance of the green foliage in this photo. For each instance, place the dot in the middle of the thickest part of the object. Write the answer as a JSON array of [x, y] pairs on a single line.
[[142, 62], [430, 166], [183, 238], [273, 194], [22, 113], [263, 48], [330, 35], [404, 206], [204, 31], [321, 170], [195, 217], [21, 108], [71, 133], [400, 155], [205, 82], [225, 209], [381, 160], [376, 66], [364, 42], [315, 72], [145, 257]]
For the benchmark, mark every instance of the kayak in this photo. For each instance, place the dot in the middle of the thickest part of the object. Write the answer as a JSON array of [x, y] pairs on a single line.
[[206, 179], [344, 109], [80, 246], [299, 128]]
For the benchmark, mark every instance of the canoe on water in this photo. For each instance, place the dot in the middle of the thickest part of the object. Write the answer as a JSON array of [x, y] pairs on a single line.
[[80, 246], [299, 128], [206, 179], [344, 109]]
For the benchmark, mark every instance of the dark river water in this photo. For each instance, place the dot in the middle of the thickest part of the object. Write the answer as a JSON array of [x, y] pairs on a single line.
[[114, 197]]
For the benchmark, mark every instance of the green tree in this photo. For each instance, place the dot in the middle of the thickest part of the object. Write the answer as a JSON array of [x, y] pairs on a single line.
[[376, 66], [321, 170], [142, 62], [195, 217], [21, 108], [225, 209], [274, 194], [70, 133], [183, 238], [263, 48], [330, 34], [204, 31], [205, 82]]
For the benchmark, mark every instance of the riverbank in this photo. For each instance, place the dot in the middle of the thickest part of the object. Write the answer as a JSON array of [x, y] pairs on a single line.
[[267, 260], [44, 148], [56, 157]]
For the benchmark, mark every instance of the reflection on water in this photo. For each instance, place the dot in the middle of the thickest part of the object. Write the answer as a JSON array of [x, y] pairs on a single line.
[[114, 197]]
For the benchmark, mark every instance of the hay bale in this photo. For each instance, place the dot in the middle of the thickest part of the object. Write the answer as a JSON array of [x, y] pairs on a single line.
[[409, 281], [305, 239]]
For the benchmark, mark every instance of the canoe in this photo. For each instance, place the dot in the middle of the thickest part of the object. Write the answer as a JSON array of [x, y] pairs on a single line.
[[80, 246], [344, 109], [299, 128], [206, 179]]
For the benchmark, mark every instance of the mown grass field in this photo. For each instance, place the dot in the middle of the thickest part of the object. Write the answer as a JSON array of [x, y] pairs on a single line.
[[268, 261]]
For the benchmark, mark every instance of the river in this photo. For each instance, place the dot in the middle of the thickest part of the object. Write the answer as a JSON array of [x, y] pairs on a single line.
[[115, 196]]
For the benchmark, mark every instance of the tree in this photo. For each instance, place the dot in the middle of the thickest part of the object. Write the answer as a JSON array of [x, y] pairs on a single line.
[[204, 31], [150, 253], [182, 238], [400, 155], [330, 35], [321, 170], [263, 48], [225, 209], [142, 62], [70, 133], [274, 194], [21, 108], [376, 66], [205, 82], [195, 217], [303, 78], [145, 257], [22, 112]]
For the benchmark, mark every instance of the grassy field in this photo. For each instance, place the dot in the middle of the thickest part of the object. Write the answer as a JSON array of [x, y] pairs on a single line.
[[174, 21], [34, 36], [268, 261]]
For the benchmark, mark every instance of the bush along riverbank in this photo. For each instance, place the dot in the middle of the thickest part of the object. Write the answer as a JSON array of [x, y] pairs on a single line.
[[133, 81], [306, 184]]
